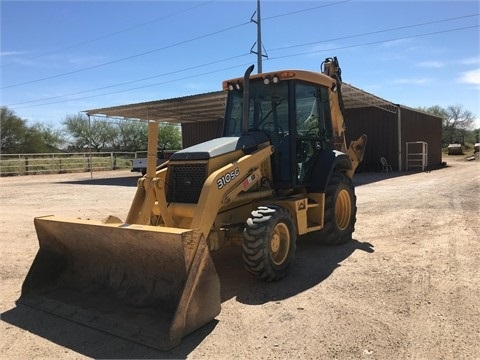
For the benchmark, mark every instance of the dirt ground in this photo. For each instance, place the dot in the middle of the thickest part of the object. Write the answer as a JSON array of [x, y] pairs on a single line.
[[407, 287]]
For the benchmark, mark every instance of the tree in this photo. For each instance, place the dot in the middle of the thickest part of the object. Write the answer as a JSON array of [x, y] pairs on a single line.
[[169, 137], [53, 139], [12, 131], [18, 137], [76, 126], [41, 138], [105, 135], [85, 133], [132, 136], [457, 123]]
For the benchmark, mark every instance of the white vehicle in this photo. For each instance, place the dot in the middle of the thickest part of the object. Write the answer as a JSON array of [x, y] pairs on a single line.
[[140, 164]]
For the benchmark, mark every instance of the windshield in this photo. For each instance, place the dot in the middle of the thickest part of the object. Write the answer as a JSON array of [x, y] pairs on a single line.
[[268, 109]]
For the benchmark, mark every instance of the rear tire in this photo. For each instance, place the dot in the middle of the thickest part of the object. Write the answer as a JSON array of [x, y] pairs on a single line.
[[269, 244], [340, 212]]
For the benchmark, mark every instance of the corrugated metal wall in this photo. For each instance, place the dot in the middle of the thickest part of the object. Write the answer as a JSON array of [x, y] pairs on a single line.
[[419, 126], [380, 126], [195, 133], [382, 131]]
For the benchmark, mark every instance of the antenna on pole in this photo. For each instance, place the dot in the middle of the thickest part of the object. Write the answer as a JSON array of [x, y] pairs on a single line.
[[259, 39]]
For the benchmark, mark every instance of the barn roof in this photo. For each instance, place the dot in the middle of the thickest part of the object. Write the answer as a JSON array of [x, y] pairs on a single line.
[[211, 106]]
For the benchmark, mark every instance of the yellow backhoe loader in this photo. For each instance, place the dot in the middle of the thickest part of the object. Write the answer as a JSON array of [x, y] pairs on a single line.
[[281, 170]]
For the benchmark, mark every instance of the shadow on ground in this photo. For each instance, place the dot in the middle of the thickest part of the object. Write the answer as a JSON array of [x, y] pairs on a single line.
[[115, 181], [365, 178], [93, 343], [313, 264], [359, 179]]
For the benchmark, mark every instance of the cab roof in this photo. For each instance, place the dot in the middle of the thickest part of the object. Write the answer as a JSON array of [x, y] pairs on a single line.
[[303, 75]]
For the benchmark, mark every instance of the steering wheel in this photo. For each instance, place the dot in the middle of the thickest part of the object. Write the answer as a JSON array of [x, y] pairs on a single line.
[[269, 126]]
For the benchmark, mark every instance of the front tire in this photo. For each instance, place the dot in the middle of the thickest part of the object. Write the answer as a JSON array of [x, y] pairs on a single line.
[[269, 244]]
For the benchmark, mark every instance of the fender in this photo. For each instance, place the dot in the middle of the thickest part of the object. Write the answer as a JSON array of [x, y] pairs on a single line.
[[326, 163]]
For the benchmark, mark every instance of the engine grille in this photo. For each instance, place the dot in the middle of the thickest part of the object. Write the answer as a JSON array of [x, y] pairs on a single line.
[[185, 182]]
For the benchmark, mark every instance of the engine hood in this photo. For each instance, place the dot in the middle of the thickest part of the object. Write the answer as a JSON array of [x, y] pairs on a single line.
[[207, 149]]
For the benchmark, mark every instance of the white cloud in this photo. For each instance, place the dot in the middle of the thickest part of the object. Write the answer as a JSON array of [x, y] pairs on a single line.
[[412, 81], [84, 61], [432, 64], [470, 77], [319, 50], [470, 61], [476, 123], [11, 53], [396, 43], [194, 86]]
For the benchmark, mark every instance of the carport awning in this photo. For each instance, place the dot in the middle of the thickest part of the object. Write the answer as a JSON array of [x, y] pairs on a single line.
[[356, 98], [194, 108], [211, 106]]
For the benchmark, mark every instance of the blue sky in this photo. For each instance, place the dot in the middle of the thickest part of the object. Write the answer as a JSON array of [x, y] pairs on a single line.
[[61, 57]]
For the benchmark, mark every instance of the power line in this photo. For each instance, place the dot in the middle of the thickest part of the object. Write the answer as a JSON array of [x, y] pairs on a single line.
[[375, 42], [238, 56], [165, 47], [245, 64], [375, 32], [128, 57], [133, 81], [305, 10], [140, 87], [107, 35], [231, 58]]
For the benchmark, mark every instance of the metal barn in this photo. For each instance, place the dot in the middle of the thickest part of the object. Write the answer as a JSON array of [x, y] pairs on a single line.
[[409, 139]]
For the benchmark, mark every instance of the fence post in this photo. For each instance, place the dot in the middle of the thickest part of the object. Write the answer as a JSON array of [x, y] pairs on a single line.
[[19, 164], [26, 164], [86, 161]]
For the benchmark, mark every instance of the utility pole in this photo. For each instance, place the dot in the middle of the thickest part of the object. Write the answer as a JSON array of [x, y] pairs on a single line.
[[259, 38]]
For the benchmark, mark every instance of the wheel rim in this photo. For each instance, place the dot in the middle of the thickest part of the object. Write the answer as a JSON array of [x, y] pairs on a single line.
[[279, 243], [343, 209]]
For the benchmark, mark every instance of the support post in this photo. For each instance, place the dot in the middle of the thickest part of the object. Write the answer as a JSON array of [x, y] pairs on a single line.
[[152, 148], [399, 122], [90, 146]]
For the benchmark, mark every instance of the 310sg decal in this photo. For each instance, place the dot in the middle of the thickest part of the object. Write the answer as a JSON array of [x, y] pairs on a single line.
[[226, 178]]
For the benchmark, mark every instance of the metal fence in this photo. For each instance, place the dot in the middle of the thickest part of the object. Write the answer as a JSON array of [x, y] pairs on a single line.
[[48, 163]]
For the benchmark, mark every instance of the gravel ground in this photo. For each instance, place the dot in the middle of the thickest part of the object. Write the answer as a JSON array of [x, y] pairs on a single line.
[[406, 287]]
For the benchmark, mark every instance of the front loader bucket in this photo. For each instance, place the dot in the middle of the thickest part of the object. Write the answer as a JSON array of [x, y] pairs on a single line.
[[148, 284]]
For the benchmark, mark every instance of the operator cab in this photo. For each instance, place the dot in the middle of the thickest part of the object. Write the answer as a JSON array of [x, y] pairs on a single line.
[[295, 116]]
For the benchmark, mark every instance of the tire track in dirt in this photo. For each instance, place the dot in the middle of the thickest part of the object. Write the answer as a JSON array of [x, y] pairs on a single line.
[[439, 302], [406, 288]]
